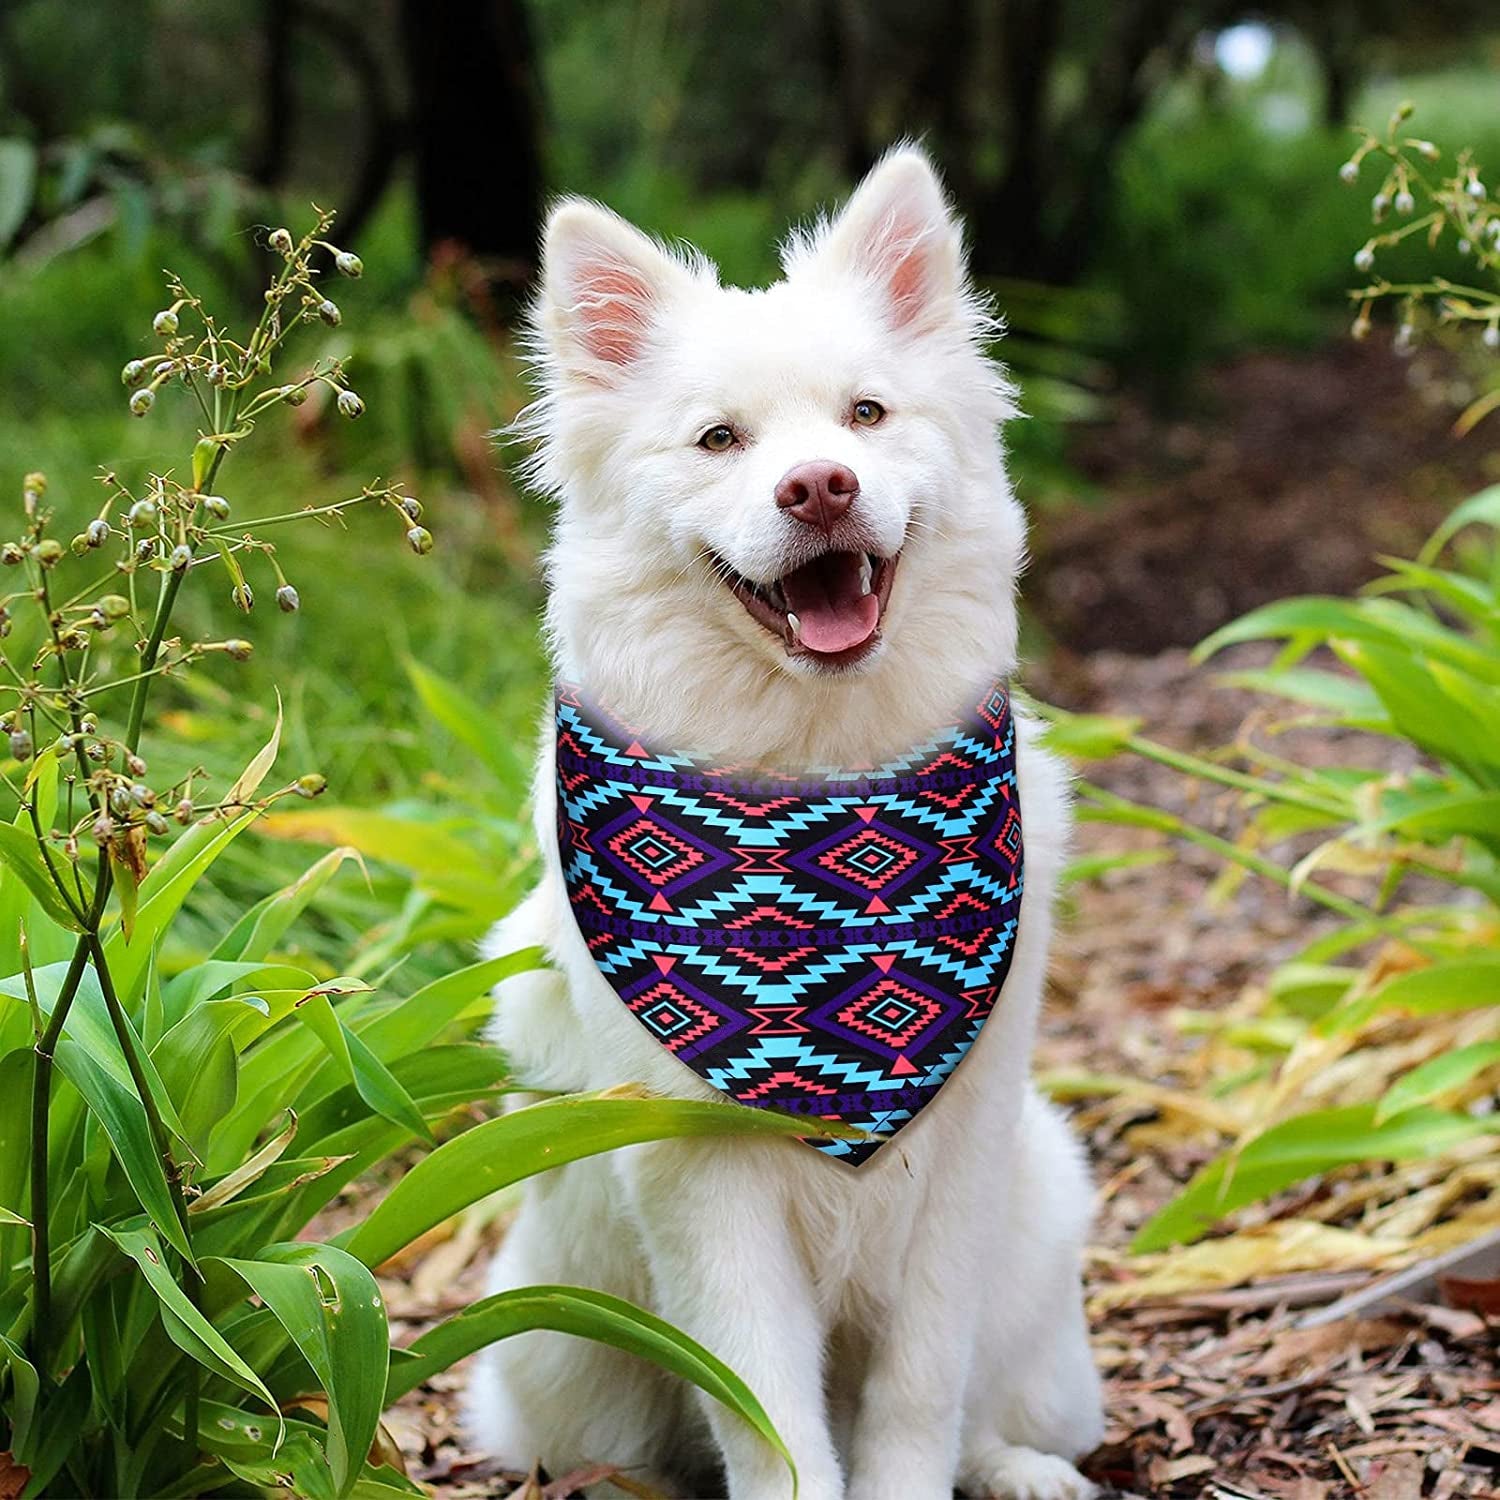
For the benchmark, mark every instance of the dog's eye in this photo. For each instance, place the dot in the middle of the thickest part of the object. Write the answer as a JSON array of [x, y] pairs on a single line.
[[718, 439], [867, 413]]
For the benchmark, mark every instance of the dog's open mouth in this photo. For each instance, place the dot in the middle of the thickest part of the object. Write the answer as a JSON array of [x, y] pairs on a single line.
[[828, 610]]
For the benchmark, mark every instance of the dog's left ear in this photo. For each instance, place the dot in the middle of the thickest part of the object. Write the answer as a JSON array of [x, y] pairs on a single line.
[[897, 230]]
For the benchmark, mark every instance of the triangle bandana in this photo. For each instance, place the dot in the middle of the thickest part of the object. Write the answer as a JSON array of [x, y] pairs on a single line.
[[825, 943]]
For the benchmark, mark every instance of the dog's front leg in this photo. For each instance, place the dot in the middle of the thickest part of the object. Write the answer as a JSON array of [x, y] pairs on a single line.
[[906, 1436], [727, 1272]]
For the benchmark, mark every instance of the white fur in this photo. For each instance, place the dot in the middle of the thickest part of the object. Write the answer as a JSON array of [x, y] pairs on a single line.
[[917, 1322]]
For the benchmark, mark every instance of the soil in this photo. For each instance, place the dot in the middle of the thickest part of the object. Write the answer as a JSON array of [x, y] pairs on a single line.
[[1294, 474]]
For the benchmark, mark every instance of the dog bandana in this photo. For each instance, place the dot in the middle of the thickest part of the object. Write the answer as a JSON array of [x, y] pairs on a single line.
[[827, 943]]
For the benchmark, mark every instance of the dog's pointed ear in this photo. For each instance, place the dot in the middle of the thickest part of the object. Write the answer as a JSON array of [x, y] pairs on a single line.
[[603, 285], [898, 231]]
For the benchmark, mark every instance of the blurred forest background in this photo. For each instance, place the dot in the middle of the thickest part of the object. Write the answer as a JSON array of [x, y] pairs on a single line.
[[1153, 197]]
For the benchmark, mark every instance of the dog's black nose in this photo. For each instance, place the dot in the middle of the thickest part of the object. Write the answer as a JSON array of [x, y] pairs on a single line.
[[817, 493]]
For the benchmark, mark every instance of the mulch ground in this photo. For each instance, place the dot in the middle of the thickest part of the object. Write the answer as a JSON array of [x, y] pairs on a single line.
[[1297, 470]]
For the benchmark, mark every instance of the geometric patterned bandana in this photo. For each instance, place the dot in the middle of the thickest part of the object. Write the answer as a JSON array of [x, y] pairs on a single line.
[[827, 943]]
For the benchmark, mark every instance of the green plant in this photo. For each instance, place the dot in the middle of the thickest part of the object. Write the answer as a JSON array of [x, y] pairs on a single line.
[[1372, 1044], [168, 1131], [1380, 1042]]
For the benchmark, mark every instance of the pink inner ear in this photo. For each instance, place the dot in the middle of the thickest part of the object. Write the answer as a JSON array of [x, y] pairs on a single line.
[[901, 257], [611, 304]]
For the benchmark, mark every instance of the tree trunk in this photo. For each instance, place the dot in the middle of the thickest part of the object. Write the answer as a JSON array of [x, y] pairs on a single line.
[[474, 132]]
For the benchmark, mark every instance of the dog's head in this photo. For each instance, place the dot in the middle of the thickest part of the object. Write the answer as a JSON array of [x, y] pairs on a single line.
[[796, 491]]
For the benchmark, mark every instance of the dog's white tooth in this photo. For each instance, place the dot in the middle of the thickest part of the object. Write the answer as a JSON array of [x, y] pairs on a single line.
[[865, 572], [794, 627]]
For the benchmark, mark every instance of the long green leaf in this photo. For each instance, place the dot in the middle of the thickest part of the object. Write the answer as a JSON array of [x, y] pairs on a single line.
[[1454, 984], [119, 1110], [359, 1066], [199, 1066], [185, 1324], [1299, 1148], [518, 1145], [20, 852], [588, 1314], [1449, 1070], [333, 1312], [469, 723]]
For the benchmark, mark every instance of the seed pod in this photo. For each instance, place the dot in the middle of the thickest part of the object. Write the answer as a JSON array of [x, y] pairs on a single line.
[[1426, 148], [135, 765], [288, 601], [73, 640], [103, 829], [1476, 190], [1349, 172], [280, 240], [164, 369], [115, 606], [1379, 206], [217, 506], [1364, 258], [97, 532], [243, 597], [420, 540], [133, 373], [11, 554], [329, 312], [183, 812], [349, 264], [164, 323], [20, 744], [50, 552], [412, 506], [238, 649], [142, 402], [181, 558], [142, 513], [1405, 203], [119, 799], [80, 543], [96, 750], [146, 550], [216, 374], [350, 405], [1463, 247], [1491, 336], [311, 785], [5, 622], [294, 395], [155, 822]]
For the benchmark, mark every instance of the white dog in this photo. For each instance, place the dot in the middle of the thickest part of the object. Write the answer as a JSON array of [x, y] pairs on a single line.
[[915, 1324]]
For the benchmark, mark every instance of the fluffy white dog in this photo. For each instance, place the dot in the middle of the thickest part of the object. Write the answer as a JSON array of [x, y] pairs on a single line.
[[785, 536]]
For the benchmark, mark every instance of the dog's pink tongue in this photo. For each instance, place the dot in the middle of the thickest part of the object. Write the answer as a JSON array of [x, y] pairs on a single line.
[[831, 612]]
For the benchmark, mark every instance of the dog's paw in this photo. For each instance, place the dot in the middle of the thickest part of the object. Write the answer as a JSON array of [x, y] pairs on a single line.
[[1025, 1474]]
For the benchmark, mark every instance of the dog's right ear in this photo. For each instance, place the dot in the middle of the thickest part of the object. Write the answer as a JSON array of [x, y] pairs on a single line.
[[603, 285]]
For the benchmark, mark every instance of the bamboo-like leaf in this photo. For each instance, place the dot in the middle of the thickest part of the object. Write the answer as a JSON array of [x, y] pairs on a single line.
[[1449, 1070], [423, 1015], [1299, 1148], [262, 927], [1454, 984], [469, 723], [333, 1312], [359, 1066], [518, 1145], [199, 1065], [1482, 509], [185, 1324], [20, 852], [118, 1109], [24, 1390], [588, 1314]]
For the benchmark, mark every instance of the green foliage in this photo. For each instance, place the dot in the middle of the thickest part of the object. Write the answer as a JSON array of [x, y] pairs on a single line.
[[1421, 653], [175, 1113]]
